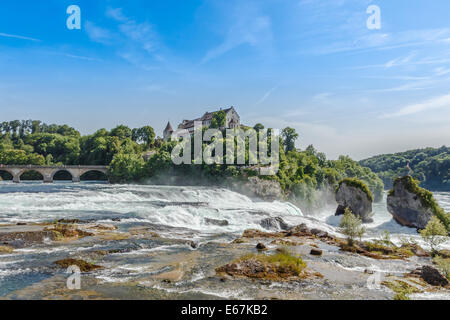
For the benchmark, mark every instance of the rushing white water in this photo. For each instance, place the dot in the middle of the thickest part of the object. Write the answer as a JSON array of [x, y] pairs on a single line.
[[172, 206], [185, 207]]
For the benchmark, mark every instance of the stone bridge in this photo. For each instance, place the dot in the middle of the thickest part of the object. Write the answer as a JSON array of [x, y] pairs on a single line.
[[48, 172]]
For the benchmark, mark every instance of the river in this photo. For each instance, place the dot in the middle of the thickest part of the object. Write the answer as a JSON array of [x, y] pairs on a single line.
[[178, 212]]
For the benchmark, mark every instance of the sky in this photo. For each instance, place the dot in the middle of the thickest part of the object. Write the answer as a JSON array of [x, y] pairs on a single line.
[[313, 65]]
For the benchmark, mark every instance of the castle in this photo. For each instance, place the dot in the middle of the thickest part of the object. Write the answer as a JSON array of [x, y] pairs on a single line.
[[232, 121]]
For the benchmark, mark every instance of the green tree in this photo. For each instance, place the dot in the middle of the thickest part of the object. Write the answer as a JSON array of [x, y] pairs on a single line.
[[290, 136], [218, 120], [126, 167], [434, 234], [351, 226]]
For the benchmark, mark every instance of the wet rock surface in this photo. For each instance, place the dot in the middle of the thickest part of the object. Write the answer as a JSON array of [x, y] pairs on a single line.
[[354, 198]]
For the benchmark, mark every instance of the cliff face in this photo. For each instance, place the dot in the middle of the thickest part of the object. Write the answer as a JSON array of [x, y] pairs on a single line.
[[406, 203], [259, 188], [356, 199]]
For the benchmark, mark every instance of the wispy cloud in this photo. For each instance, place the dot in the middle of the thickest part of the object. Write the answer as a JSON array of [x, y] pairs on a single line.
[[15, 36], [435, 103], [266, 95], [248, 27], [97, 34]]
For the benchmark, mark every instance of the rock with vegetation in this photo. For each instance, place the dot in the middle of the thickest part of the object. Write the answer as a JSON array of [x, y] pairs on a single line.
[[276, 267], [356, 196], [413, 206], [83, 265]]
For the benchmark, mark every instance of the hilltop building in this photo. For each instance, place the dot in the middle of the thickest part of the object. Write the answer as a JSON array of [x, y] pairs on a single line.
[[232, 121]]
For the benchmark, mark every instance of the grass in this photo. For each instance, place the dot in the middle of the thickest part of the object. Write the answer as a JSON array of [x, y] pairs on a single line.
[[353, 182], [402, 289]]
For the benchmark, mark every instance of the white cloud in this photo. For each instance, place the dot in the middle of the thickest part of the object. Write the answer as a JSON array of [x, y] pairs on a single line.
[[435, 103]]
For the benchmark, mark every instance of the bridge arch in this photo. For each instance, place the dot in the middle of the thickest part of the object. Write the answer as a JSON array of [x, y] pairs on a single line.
[[62, 175], [31, 175], [94, 174], [6, 174], [48, 172]]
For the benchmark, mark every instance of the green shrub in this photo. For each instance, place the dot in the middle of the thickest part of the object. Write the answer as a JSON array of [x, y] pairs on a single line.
[[434, 234], [356, 183], [351, 226]]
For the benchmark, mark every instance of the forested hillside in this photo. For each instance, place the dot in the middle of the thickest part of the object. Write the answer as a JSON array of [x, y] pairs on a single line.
[[301, 172], [431, 166]]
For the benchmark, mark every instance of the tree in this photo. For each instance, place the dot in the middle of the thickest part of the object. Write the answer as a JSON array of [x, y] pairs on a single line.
[[126, 167], [219, 120], [289, 135], [434, 233], [121, 132], [258, 127], [145, 134], [351, 226]]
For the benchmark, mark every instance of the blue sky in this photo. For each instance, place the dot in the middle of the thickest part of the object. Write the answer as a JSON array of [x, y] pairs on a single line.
[[309, 64]]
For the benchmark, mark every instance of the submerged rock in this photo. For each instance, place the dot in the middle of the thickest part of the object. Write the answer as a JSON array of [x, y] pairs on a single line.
[[261, 246], [216, 222], [275, 224], [355, 195], [410, 205], [316, 252]]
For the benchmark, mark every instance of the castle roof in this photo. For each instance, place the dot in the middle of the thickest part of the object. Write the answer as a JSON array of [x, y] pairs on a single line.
[[168, 128], [207, 116]]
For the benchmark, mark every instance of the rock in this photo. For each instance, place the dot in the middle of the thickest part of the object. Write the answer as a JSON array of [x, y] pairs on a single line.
[[21, 224], [253, 233], [83, 265], [410, 205], [5, 249], [193, 244], [276, 224], [116, 219], [319, 233], [25, 239], [260, 246], [215, 222], [432, 276], [316, 252], [260, 188], [350, 194], [299, 231]]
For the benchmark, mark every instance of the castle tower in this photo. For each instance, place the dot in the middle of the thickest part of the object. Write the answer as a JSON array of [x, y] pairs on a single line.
[[167, 132]]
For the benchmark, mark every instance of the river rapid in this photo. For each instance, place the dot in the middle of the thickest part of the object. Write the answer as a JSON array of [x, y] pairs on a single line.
[[173, 211]]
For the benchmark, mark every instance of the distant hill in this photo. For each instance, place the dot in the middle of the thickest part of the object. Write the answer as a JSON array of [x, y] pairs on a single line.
[[431, 166]]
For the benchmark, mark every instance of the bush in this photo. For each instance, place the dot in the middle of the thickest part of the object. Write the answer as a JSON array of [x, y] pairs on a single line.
[[443, 265], [434, 234], [351, 226]]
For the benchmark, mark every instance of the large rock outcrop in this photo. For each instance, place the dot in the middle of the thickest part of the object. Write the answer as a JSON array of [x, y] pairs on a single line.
[[411, 205], [355, 195], [256, 187]]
